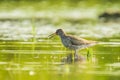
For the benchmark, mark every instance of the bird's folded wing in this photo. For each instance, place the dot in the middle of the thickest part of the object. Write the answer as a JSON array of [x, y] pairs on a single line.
[[79, 41]]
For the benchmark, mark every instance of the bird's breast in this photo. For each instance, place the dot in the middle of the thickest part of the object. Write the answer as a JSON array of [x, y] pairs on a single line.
[[66, 42]]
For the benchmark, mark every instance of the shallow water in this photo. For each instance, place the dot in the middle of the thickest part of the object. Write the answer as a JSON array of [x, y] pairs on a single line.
[[21, 60]]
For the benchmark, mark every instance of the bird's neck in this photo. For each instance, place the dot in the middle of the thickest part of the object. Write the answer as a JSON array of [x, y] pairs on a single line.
[[62, 35]]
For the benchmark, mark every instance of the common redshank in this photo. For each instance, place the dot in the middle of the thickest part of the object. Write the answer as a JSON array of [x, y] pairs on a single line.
[[73, 42]]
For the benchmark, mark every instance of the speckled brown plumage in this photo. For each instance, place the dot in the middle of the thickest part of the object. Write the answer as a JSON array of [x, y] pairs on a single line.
[[73, 42]]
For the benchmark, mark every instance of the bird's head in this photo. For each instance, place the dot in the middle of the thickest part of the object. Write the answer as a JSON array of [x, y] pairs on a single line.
[[59, 32]]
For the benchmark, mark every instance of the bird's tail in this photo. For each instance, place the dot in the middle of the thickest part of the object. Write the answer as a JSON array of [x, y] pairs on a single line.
[[93, 43], [88, 45]]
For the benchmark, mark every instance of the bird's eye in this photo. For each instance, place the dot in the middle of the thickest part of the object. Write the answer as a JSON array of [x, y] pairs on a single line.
[[57, 32]]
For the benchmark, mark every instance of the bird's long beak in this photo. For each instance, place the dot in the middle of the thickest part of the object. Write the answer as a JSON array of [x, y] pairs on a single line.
[[51, 35]]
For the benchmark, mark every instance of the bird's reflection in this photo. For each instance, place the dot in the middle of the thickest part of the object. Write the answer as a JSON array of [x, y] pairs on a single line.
[[73, 58]]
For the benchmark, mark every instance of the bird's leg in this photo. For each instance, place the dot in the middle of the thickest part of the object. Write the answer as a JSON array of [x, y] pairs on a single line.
[[76, 54], [75, 51], [73, 57]]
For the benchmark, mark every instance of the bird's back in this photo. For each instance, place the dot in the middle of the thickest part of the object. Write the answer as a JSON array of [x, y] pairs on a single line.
[[80, 41]]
